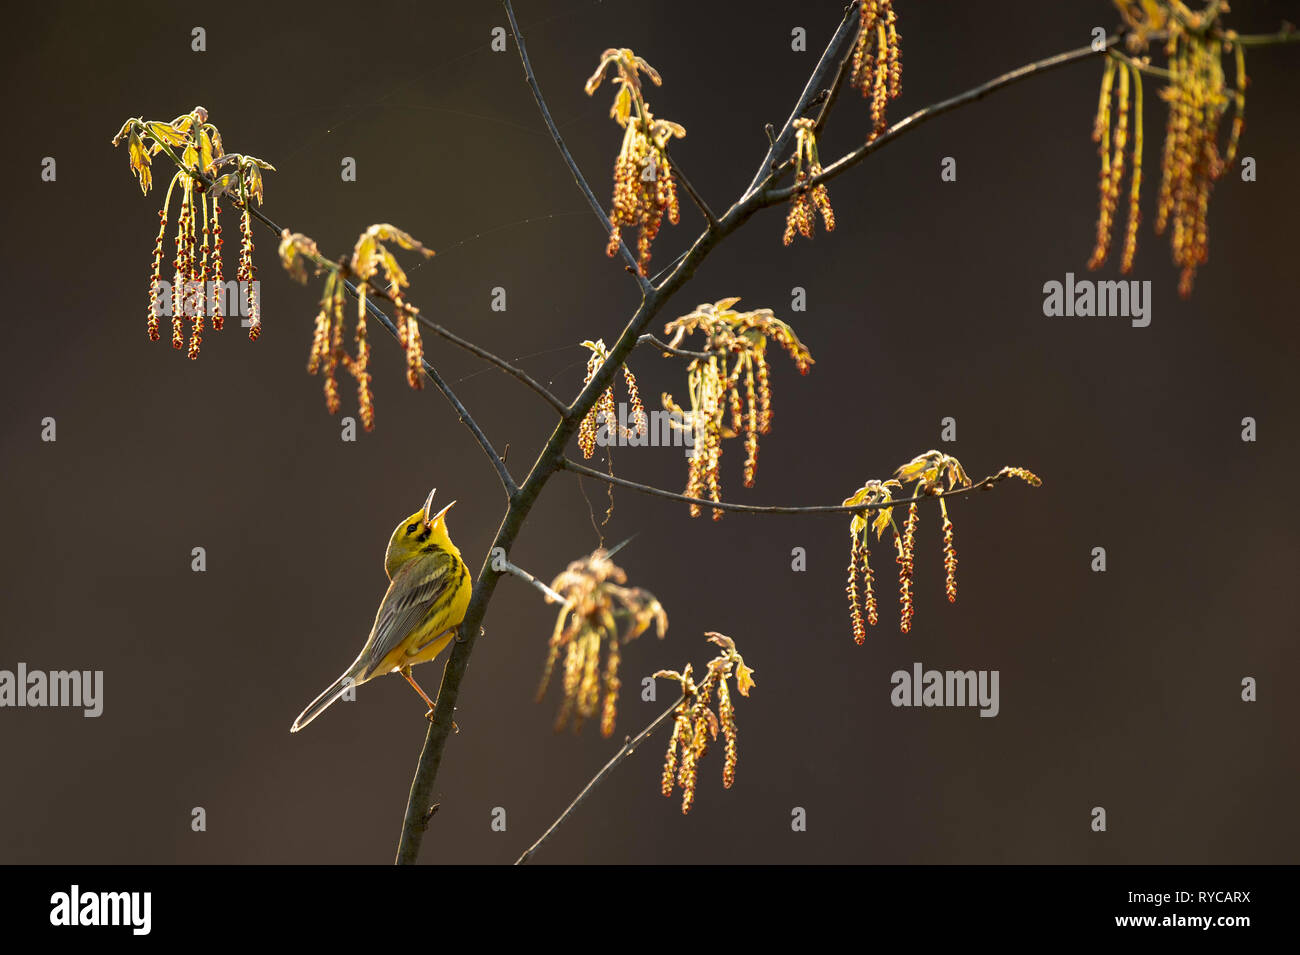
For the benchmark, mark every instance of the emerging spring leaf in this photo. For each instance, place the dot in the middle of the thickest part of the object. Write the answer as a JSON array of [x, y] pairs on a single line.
[[369, 256], [194, 146], [695, 723], [645, 190], [588, 622], [736, 344], [139, 160], [806, 198], [929, 468], [626, 65], [604, 411], [296, 250], [926, 473], [874, 493]]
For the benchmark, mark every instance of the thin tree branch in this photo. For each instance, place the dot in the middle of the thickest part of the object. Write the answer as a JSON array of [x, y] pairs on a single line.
[[576, 468], [1139, 65], [501, 363], [596, 207], [550, 595], [848, 161], [627, 749], [483, 353], [833, 91], [467, 419], [830, 62], [695, 196], [648, 339], [772, 197], [1269, 39], [439, 330]]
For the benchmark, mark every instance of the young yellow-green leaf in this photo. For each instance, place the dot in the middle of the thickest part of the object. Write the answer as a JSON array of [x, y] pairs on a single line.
[[721, 640], [166, 134], [217, 148], [390, 233], [744, 678], [225, 184], [622, 108], [606, 58], [363, 256], [924, 467], [393, 271], [255, 182], [649, 70], [956, 473], [661, 130], [139, 160], [669, 675], [295, 250], [126, 127], [205, 152]]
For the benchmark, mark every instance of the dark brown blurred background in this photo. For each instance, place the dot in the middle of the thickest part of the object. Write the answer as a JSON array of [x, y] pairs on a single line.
[[1119, 689]]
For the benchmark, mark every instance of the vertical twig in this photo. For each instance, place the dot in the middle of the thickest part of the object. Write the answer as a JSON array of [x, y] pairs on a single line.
[[564, 150]]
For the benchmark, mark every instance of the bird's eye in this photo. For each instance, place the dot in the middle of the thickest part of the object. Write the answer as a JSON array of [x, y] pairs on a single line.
[[412, 528]]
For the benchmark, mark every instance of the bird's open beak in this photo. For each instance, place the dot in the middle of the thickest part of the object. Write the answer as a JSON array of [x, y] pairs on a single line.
[[431, 518], [437, 517]]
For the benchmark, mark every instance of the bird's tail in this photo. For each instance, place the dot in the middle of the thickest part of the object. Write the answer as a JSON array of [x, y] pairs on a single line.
[[323, 702]]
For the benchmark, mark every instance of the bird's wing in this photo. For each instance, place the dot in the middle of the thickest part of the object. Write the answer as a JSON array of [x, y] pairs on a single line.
[[416, 587]]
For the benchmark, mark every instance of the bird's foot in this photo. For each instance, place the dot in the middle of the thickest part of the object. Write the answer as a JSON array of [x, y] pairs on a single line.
[[429, 717]]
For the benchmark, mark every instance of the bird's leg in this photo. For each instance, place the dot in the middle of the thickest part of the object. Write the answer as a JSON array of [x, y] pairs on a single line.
[[406, 672]]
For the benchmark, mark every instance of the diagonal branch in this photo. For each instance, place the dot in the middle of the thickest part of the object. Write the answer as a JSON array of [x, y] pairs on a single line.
[[492, 359], [564, 150], [649, 339], [848, 161], [837, 509], [833, 91], [627, 749], [700, 204], [833, 57], [498, 463], [551, 596]]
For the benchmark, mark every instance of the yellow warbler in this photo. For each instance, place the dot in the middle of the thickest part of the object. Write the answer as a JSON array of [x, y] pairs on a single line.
[[425, 603]]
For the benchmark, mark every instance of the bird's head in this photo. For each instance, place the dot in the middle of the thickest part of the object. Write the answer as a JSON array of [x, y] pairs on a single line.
[[422, 531]]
